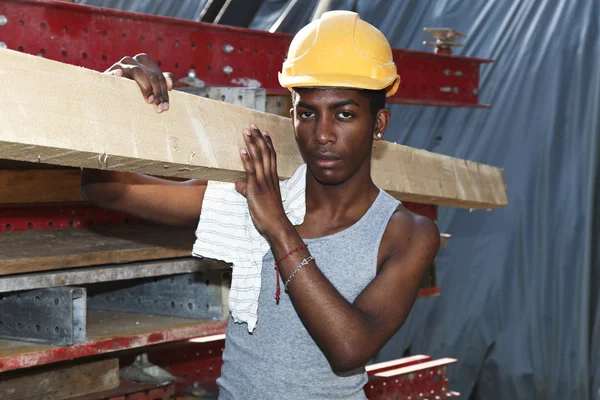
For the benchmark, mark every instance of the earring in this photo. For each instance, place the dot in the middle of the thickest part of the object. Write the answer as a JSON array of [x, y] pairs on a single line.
[[379, 134]]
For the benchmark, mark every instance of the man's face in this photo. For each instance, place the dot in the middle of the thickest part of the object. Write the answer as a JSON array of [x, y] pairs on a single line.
[[334, 131]]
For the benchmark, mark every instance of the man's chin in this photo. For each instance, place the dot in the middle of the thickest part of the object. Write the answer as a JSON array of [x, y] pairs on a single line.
[[327, 176]]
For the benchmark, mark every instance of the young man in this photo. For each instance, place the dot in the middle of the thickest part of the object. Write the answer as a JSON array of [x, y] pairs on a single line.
[[352, 269]]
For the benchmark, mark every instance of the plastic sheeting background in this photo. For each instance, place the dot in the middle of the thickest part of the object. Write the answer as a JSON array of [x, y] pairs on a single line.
[[520, 285]]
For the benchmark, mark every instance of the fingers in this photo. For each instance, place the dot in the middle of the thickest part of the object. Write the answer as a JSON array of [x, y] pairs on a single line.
[[169, 78], [159, 87], [262, 155], [138, 74], [153, 83], [147, 62], [273, 158], [158, 80], [115, 71], [240, 186], [255, 154], [266, 150], [249, 168]]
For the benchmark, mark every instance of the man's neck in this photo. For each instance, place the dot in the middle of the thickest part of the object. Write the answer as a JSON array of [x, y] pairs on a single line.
[[358, 191]]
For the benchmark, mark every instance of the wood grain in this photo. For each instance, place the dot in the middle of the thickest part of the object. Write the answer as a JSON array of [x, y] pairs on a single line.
[[44, 250], [62, 382], [65, 115], [39, 186]]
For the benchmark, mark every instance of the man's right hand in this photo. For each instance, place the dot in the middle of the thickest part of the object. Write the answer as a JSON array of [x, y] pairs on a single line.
[[152, 199], [155, 84]]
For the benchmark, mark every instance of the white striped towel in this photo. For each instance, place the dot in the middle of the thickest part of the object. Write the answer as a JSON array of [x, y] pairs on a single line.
[[226, 232]]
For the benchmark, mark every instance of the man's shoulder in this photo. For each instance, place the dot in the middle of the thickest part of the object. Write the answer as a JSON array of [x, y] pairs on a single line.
[[408, 232]]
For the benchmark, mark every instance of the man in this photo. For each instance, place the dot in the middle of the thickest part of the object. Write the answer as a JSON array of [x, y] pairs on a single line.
[[351, 270]]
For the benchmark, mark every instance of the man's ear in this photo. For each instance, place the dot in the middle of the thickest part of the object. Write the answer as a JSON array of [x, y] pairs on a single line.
[[382, 120]]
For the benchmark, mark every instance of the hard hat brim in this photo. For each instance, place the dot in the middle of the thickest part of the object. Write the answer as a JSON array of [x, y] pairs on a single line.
[[339, 81]]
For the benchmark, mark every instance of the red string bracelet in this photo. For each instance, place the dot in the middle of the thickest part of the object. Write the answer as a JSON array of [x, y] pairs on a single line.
[[278, 290]]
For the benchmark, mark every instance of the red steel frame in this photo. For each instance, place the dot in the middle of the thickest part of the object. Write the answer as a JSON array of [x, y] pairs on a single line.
[[422, 380], [95, 38], [47, 354], [198, 363], [59, 216]]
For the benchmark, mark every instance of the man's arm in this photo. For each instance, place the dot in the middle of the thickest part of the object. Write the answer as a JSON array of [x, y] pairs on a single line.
[[349, 334], [152, 199]]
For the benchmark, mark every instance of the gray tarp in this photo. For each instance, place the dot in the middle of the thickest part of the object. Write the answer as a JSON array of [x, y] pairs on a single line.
[[520, 293]]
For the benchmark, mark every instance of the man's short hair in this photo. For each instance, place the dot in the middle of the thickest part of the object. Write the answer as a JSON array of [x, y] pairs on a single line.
[[376, 100]]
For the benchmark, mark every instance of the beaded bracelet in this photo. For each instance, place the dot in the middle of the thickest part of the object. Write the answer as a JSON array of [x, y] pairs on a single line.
[[302, 264], [304, 246], [278, 290]]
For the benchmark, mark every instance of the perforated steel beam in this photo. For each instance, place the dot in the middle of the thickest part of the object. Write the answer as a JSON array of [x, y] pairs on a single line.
[[196, 295], [95, 38], [51, 316]]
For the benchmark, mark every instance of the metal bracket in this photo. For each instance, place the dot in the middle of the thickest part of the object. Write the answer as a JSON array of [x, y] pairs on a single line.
[[191, 79], [142, 370], [52, 316], [445, 39], [196, 296], [3, 21], [253, 98]]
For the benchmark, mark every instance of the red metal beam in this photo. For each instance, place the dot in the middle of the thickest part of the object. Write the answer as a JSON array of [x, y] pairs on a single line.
[[83, 215], [421, 380], [198, 364], [429, 292], [53, 216], [46, 355], [426, 210], [95, 38]]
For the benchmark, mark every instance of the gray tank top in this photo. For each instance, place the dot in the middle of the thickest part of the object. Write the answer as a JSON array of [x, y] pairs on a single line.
[[280, 360]]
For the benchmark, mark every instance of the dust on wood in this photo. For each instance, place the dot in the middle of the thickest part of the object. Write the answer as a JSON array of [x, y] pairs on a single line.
[[43, 250], [61, 382]]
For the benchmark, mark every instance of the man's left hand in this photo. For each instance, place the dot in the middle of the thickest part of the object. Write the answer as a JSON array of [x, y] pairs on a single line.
[[261, 186]]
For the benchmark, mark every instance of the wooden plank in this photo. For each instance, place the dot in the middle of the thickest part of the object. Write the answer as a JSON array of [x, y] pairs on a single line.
[[109, 273], [416, 367], [44, 250], [397, 363], [62, 382], [109, 332], [60, 114], [39, 186]]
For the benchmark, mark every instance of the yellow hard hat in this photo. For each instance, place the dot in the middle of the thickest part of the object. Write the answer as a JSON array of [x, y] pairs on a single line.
[[340, 50]]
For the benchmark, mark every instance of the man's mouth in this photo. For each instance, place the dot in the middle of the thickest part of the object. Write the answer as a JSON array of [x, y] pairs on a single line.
[[326, 160]]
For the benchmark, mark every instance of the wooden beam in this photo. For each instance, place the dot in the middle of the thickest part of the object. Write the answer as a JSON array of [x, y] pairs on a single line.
[[60, 114], [44, 250], [62, 382], [39, 186]]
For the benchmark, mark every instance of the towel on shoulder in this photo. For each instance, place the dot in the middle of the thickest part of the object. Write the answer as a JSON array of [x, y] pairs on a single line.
[[226, 232]]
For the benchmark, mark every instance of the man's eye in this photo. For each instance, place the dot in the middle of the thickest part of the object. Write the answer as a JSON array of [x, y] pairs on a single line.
[[306, 115], [345, 115]]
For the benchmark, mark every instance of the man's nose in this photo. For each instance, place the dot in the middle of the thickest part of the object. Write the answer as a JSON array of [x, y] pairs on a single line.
[[324, 133]]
